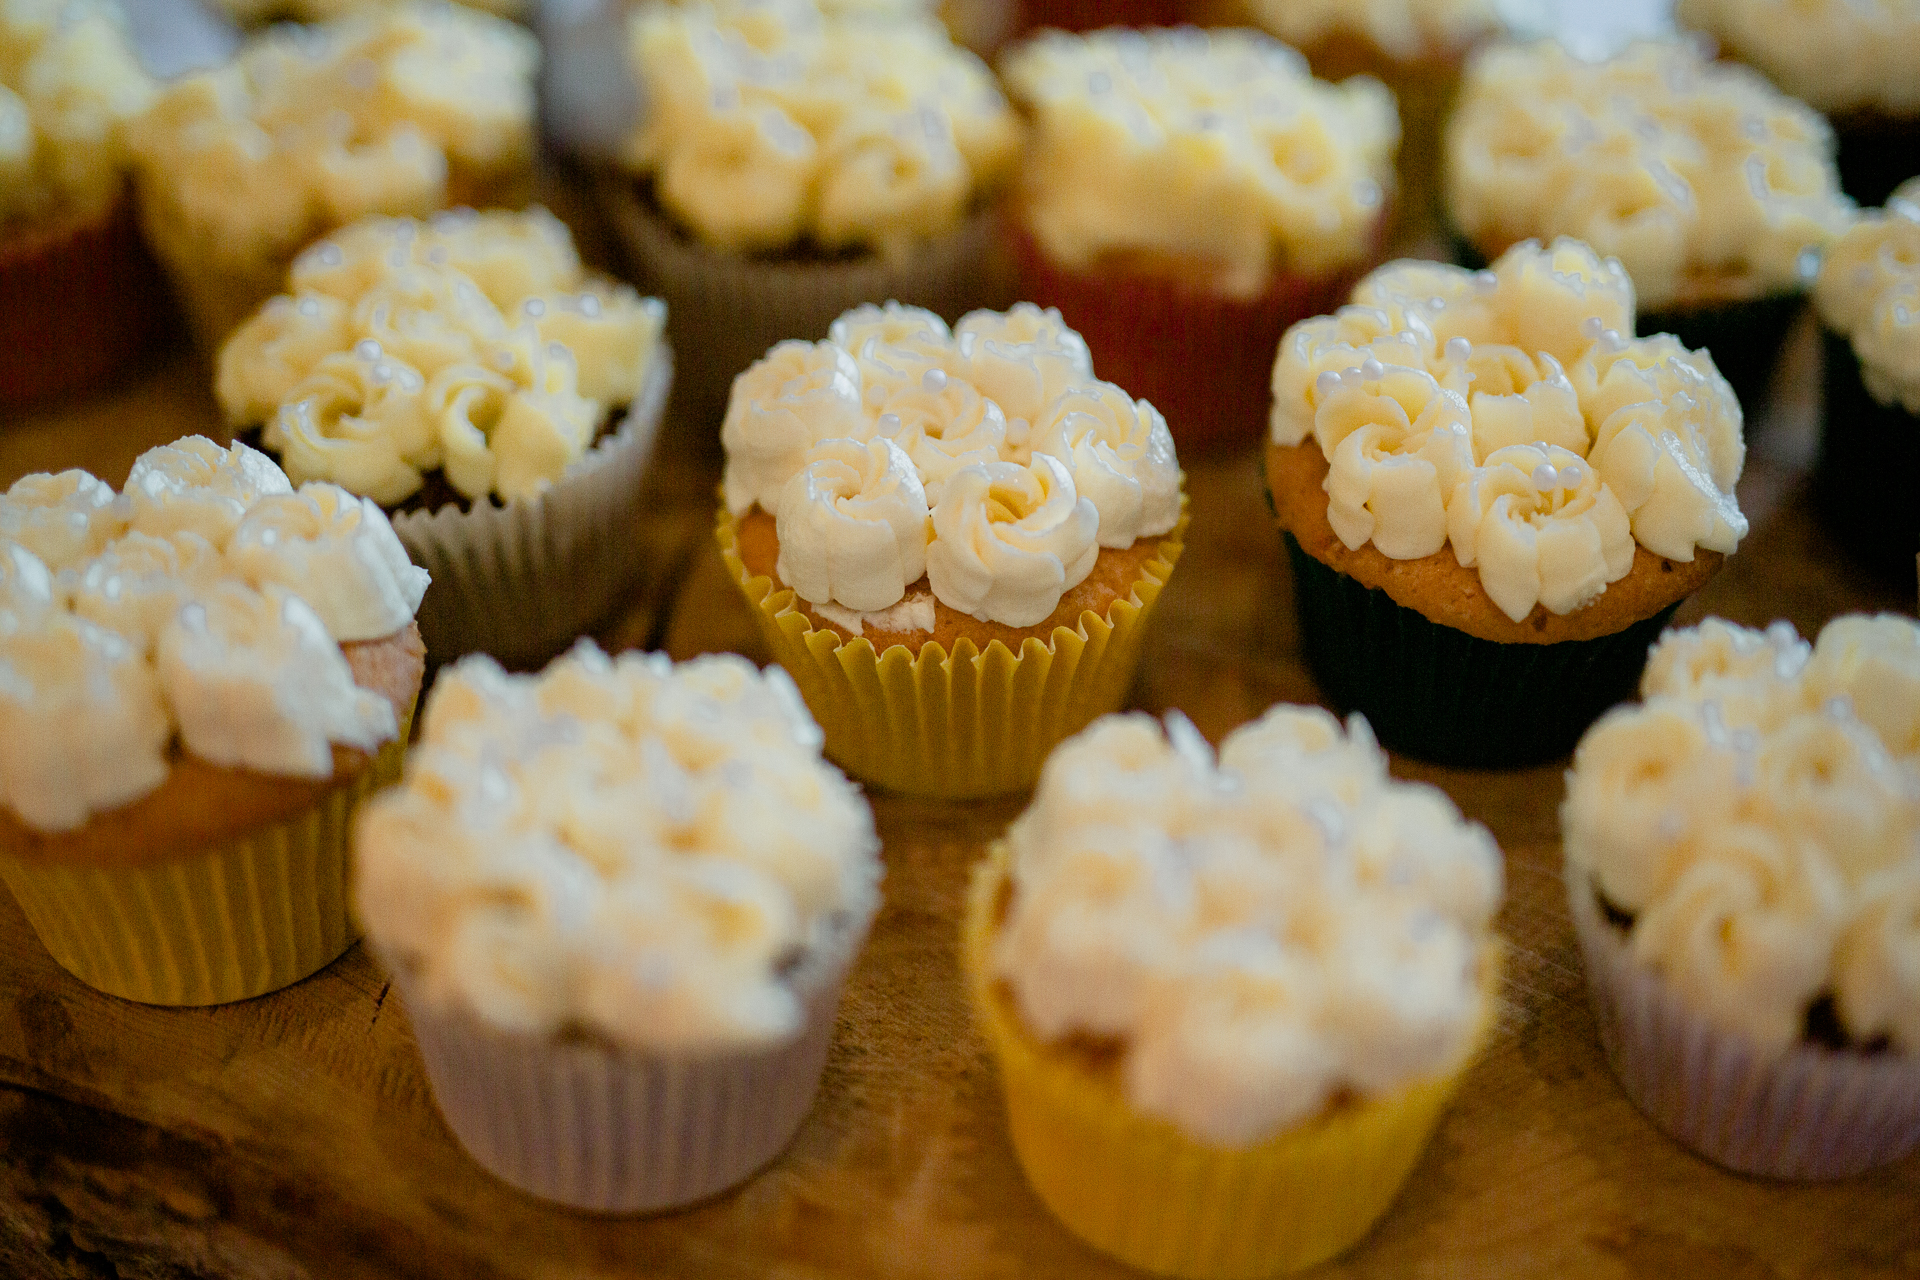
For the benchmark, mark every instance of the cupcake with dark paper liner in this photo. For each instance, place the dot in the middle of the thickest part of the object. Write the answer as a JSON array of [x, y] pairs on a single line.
[[1493, 501], [621, 890], [795, 159], [951, 538], [263, 12], [400, 112], [1717, 192], [79, 295], [1092, 15], [1868, 472], [1743, 863], [1187, 195], [500, 401], [1854, 60], [201, 677], [1230, 999]]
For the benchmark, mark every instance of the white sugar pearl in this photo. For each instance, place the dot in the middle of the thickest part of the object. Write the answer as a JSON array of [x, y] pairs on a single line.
[[1544, 476], [1459, 349], [934, 380], [1327, 383], [367, 349], [1372, 369]]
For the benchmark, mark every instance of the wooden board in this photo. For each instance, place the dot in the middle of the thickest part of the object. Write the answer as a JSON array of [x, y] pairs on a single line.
[[294, 1135]]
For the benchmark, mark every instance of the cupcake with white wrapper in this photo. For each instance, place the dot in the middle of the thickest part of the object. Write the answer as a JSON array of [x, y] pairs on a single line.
[[200, 678], [467, 373], [950, 537], [1229, 999], [1743, 861], [621, 889]]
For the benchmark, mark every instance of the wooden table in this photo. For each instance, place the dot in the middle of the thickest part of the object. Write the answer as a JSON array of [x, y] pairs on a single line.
[[294, 1135]]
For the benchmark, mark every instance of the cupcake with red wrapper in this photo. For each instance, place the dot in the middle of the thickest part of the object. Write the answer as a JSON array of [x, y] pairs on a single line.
[[78, 293], [1186, 196]]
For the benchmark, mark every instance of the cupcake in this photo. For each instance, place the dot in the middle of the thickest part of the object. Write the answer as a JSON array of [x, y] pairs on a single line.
[[1088, 15], [261, 12], [467, 374], [618, 900], [1230, 1000], [950, 538], [200, 678], [78, 293], [1743, 861], [1855, 60], [1492, 500], [1868, 296], [1185, 197], [1715, 191], [310, 128], [795, 159]]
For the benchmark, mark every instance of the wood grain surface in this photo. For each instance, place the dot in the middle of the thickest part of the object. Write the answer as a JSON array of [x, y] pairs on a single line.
[[294, 1135]]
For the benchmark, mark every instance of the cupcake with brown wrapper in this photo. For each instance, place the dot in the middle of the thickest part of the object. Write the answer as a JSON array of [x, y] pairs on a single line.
[[1493, 500], [203, 675], [1186, 196], [1743, 861], [950, 538], [621, 889], [796, 159], [468, 374], [79, 295]]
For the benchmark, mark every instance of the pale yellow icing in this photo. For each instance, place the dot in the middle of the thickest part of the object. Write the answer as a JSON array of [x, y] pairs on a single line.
[[1869, 293], [1838, 55]]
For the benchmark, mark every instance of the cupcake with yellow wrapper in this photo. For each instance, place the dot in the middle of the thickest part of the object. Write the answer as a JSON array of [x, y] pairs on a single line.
[[1229, 999], [200, 677], [950, 538]]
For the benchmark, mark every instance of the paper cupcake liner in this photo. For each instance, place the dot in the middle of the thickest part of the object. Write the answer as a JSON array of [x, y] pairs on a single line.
[[623, 1130], [1204, 360], [523, 580], [1808, 1113], [77, 302], [253, 916], [1864, 481], [960, 725], [724, 311], [1141, 1190], [1090, 15], [1444, 696]]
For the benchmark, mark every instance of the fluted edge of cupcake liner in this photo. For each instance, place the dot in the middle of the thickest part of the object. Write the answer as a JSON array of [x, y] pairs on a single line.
[[1808, 1113], [1868, 465], [957, 725], [521, 581]]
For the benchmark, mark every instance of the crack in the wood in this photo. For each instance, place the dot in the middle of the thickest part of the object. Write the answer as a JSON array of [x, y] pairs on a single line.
[[669, 588], [379, 1003]]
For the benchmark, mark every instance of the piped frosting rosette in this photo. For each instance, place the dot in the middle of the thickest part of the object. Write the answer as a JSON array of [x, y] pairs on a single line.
[[1241, 986], [948, 491], [621, 888], [1869, 293], [173, 652], [469, 374], [1743, 856]]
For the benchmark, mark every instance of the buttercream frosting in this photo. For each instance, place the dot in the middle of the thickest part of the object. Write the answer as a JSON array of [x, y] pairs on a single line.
[[642, 851], [204, 605], [1211, 148], [1255, 934], [1704, 180], [1837, 55], [1869, 293], [1758, 817], [473, 344], [1502, 413], [778, 121], [986, 455]]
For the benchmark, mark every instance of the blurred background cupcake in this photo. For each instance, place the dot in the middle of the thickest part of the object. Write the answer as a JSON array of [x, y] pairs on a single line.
[[1714, 190], [1856, 60], [501, 402], [1185, 196], [79, 295], [262, 12], [1866, 483], [1493, 500], [1229, 1000], [1743, 860], [620, 890], [795, 159], [308, 128]]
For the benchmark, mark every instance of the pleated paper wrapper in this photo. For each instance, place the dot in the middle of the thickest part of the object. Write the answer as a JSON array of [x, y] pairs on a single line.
[[624, 1130], [522, 581], [1141, 1190], [255, 915], [962, 724], [1807, 1113]]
